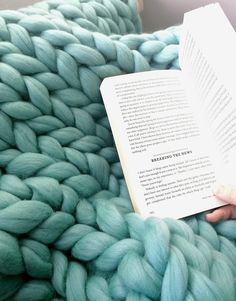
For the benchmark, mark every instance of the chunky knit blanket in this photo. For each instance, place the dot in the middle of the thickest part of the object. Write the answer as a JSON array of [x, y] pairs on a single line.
[[67, 227]]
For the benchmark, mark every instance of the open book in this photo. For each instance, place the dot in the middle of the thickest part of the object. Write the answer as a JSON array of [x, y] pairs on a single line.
[[175, 131]]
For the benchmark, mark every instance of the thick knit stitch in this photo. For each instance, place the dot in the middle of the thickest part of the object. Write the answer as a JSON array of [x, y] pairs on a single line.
[[67, 227]]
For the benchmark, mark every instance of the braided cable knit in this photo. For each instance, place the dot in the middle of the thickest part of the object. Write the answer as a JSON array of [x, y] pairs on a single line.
[[108, 17], [67, 227]]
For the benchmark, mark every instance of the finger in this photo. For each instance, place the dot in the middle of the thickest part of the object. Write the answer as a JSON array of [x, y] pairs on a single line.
[[226, 193], [215, 216], [139, 5], [223, 213]]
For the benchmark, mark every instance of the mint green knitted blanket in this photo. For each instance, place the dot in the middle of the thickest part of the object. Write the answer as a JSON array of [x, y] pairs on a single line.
[[67, 227]]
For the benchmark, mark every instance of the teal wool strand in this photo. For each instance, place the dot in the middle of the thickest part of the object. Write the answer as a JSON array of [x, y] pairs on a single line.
[[67, 227]]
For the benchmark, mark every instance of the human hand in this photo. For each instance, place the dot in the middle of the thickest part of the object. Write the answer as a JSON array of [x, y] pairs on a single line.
[[227, 194]]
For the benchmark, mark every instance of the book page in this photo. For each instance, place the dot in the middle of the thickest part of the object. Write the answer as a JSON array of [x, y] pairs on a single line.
[[207, 59], [164, 156]]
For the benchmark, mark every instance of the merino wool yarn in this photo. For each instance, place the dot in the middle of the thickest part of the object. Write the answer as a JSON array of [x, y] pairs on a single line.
[[67, 227]]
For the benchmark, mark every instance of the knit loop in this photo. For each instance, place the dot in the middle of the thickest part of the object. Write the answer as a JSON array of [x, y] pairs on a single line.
[[11, 261], [37, 259]]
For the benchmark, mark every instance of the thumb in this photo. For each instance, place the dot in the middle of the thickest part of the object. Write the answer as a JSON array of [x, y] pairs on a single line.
[[226, 193]]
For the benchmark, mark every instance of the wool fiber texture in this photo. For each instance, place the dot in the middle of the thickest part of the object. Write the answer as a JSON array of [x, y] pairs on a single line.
[[67, 228]]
